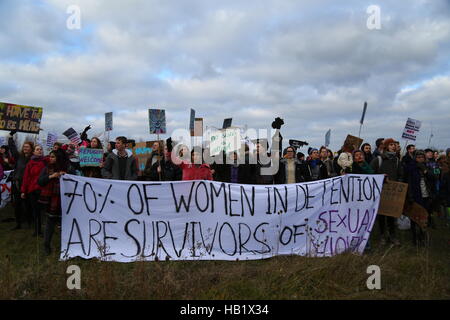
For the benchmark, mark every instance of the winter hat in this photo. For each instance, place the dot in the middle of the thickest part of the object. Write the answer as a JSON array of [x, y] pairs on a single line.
[[311, 150], [387, 142], [419, 153]]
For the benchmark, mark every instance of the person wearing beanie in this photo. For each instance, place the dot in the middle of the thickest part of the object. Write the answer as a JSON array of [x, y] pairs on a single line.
[[317, 169], [421, 189], [388, 164]]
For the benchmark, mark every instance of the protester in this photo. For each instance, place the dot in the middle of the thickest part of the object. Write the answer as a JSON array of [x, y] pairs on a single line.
[[263, 163], [196, 169], [57, 146], [93, 172], [360, 165], [50, 197], [421, 189], [155, 157], [366, 148], [21, 160], [317, 169], [388, 164], [291, 170], [6, 158], [345, 159], [445, 195], [234, 170], [327, 160], [120, 163], [380, 147], [31, 189], [409, 156], [72, 155], [301, 157], [165, 170]]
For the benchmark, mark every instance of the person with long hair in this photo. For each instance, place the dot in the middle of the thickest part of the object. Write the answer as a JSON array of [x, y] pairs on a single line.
[[6, 158], [50, 196], [291, 169], [345, 159], [93, 172], [21, 160], [196, 169], [31, 189]]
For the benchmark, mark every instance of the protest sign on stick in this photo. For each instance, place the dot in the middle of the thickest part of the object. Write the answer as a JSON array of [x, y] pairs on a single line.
[[227, 140], [20, 118], [198, 127], [412, 127], [356, 142], [108, 121], [157, 120], [73, 136], [192, 122]]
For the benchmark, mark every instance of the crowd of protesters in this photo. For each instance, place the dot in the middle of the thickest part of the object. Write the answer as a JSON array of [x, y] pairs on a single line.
[[35, 179]]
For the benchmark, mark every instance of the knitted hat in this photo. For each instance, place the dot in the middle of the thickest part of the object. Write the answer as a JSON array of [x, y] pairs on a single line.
[[419, 153], [311, 150], [387, 142]]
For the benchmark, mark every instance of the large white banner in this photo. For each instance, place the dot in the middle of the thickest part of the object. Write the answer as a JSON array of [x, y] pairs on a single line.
[[5, 185], [204, 220]]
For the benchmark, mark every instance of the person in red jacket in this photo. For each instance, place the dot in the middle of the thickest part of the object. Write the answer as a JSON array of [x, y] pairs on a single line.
[[31, 189], [195, 169]]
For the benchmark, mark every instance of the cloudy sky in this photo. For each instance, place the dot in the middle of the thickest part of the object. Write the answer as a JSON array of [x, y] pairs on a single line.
[[313, 63]]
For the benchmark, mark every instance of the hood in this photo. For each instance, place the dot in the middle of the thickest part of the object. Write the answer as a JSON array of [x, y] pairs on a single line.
[[129, 153]]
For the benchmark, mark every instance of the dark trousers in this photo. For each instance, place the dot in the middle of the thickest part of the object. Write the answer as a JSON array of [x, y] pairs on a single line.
[[21, 207], [390, 221], [50, 225], [35, 207]]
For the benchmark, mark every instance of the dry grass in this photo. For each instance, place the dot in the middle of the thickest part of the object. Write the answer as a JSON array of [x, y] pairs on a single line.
[[407, 273]]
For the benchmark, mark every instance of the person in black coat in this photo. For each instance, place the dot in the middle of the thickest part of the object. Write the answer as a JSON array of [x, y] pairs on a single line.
[[291, 170], [317, 169], [235, 171], [165, 169]]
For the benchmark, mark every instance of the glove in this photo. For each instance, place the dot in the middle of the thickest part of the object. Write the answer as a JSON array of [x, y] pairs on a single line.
[[12, 133]]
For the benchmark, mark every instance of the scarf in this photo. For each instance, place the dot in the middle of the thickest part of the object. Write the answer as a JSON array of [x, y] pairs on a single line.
[[314, 163]]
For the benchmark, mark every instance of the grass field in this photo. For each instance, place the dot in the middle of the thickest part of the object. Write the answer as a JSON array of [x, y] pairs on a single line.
[[407, 272]]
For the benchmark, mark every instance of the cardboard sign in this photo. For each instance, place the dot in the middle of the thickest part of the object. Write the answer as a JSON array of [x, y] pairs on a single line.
[[90, 157], [355, 141], [393, 199], [418, 214], [108, 121], [157, 120], [143, 150], [327, 138], [412, 127], [198, 127], [21, 118]]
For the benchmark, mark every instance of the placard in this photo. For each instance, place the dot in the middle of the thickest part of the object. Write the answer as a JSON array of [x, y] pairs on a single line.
[[393, 199], [157, 119], [90, 157], [20, 118]]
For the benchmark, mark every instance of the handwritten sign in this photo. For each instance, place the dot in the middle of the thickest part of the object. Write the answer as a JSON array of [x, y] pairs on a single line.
[[393, 199], [73, 136], [129, 221], [90, 157], [5, 185], [21, 118], [418, 214], [51, 139], [143, 150], [227, 140]]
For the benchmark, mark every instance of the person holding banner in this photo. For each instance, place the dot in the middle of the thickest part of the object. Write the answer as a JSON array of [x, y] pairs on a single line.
[[360, 165], [291, 170], [31, 189], [21, 160], [120, 163], [388, 164], [317, 169], [196, 169], [50, 196]]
